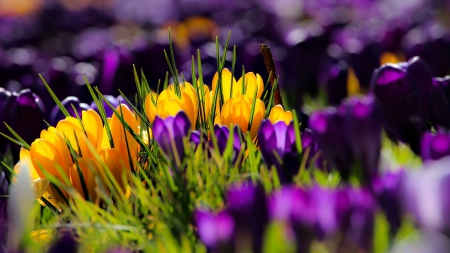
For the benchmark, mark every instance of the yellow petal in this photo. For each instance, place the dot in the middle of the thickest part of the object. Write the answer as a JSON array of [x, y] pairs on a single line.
[[117, 130], [277, 114], [115, 162], [252, 82], [168, 108], [257, 117], [25, 158], [39, 186], [44, 153], [228, 81], [105, 139], [89, 169], [150, 108], [93, 125]]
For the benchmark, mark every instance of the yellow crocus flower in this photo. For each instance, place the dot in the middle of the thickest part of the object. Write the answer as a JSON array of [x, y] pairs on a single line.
[[253, 83], [169, 104], [71, 128], [277, 114], [89, 169], [236, 111], [118, 134]]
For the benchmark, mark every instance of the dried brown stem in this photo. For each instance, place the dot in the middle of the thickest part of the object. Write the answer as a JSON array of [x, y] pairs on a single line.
[[272, 70]]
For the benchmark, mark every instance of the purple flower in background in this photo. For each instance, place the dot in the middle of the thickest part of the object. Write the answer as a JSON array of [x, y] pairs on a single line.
[[114, 101], [169, 134], [356, 208], [277, 145], [328, 130], [402, 90], [24, 112], [435, 146], [4, 96], [56, 115], [424, 241], [222, 134], [424, 195], [334, 79], [440, 102], [386, 190], [4, 185], [216, 230], [198, 137], [362, 126], [65, 243], [350, 137], [311, 148], [248, 206]]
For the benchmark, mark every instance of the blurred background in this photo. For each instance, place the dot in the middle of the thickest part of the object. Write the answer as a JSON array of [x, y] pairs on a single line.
[[318, 45]]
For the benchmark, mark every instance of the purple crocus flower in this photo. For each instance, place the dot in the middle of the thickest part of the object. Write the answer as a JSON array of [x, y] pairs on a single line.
[[362, 126], [402, 90], [115, 101], [24, 112], [279, 138], [216, 230], [4, 185], [4, 96], [386, 190], [435, 146], [248, 206], [222, 134], [311, 148], [356, 208], [292, 205], [424, 195], [65, 243], [440, 102], [169, 134], [424, 241], [57, 115], [334, 79], [198, 137], [350, 136], [328, 130]]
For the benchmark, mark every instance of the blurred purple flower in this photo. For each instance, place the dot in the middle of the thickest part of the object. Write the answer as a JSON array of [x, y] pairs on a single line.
[[440, 102], [357, 208], [435, 146], [334, 79], [402, 90], [424, 241], [169, 134], [222, 134], [248, 206], [362, 126], [65, 243], [216, 230], [424, 195], [328, 130], [114, 101], [25, 113], [4, 185], [311, 148], [198, 137], [279, 138], [4, 96], [57, 115], [386, 189]]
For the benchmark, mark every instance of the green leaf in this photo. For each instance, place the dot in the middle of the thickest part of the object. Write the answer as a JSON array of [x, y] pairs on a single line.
[[55, 98], [381, 234]]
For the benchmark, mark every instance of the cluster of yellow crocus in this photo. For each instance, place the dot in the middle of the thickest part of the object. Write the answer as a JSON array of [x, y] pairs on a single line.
[[89, 141], [237, 102]]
